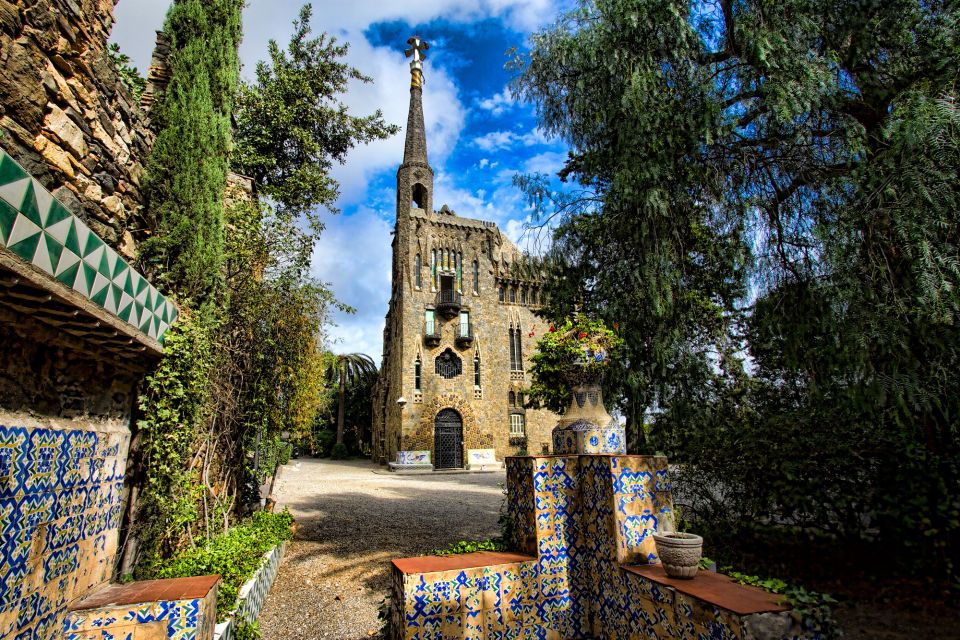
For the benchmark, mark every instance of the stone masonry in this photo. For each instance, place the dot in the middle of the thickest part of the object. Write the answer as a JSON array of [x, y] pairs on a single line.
[[494, 292], [66, 117]]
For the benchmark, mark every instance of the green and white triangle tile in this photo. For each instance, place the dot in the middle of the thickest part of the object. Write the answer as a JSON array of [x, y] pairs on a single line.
[[68, 274], [126, 301], [143, 290], [100, 296], [60, 230], [122, 277], [111, 303], [81, 284], [146, 320], [112, 260], [8, 215], [13, 193], [68, 260], [44, 199], [156, 327], [120, 267], [10, 171], [56, 214], [162, 329], [93, 246], [100, 281], [47, 256], [77, 240], [29, 206], [104, 265], [134, 315], [24, 238], [93, 257]]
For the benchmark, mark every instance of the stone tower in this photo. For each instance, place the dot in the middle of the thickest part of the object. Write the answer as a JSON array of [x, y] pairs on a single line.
[[459, 329]]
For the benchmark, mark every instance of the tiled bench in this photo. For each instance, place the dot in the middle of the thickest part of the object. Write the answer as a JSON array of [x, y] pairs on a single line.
[[182, 608]]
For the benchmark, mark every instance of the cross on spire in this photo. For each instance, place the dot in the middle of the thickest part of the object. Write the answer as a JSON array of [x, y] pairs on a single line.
[[417, 51]]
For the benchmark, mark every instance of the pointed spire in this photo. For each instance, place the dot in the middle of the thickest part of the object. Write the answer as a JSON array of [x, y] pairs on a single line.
[[415, 147]]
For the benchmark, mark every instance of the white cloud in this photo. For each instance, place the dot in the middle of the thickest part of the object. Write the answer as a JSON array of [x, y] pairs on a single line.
[[484, 163], [498, 103], [549, 162], [354, 257], [499, 140]]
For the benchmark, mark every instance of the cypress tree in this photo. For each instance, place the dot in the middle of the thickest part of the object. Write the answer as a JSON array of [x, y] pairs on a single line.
[[187, 171]]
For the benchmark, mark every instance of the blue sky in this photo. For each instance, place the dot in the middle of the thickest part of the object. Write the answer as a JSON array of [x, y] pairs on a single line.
[[478, 137]]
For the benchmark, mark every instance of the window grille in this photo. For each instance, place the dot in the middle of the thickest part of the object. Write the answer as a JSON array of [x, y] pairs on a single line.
[[517, 424]]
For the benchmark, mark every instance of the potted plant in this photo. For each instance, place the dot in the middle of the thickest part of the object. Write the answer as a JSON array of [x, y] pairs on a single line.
[[679, 551]]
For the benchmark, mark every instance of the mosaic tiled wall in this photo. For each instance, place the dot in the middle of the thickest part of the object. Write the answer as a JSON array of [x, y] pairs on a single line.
[[60, 502], [161, 620], [40, 230], [584, 520]]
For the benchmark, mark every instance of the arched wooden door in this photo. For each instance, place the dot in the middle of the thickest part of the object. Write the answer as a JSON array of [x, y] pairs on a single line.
[[448, 440]]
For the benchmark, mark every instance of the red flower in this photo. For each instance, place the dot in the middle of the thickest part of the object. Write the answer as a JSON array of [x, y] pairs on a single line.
[[582, 335], [552, 328], [616, 326]]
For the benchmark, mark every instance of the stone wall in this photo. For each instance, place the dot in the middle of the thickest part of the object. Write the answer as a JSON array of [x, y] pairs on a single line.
[[65, 116]]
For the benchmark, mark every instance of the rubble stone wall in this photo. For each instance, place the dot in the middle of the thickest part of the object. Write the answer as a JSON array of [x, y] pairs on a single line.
[[66, 117]]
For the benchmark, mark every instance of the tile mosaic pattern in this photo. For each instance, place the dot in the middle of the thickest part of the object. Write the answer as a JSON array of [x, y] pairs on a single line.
[[253, 593], [161, 620], [583, 517], [413, 457], [40, 230], [60, 501]]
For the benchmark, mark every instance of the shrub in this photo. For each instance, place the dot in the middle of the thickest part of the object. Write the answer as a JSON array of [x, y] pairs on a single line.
[[339, 452], [235, 555]]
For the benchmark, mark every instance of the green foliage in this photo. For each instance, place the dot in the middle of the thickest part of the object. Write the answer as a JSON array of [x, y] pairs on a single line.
[[173, 408], [339, 452], [291, 125], [469, 546], [385, 618], [129, 75], [248, 631], [324, 442], [810, 608], [235, 555], [187, 169], [764, 196], [347, 371], [579, 348]]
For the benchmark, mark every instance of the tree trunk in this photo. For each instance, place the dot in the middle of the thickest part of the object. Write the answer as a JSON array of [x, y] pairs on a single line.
[[340, 408]]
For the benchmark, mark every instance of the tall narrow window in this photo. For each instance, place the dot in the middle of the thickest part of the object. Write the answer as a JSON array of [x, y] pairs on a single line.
[[460, 272], [430, 324], [523, 296], [464, 323], [512, 399], [516, 350], [513, 295], [476, 370], [417, 370], [476, 276], [500, 294], [517, 426], [417, 266], [433, 269], [533, 296]]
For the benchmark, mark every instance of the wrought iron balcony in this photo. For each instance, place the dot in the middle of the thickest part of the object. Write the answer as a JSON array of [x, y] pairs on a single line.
[[448, 303], [463, 333], [431, 333]]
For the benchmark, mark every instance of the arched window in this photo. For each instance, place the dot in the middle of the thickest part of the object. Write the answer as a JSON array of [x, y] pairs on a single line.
[[417, 370], [476, 370], [513, 295], [476, 276], [523, 295], [417, 266], [419, 197]]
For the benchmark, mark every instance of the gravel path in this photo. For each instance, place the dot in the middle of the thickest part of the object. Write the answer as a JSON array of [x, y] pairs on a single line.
[[352, 522]]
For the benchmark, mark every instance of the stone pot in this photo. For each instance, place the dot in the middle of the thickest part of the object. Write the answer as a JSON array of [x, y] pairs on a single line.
[[679, 553]]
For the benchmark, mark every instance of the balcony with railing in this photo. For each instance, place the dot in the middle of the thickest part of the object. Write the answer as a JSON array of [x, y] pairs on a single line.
[[463, 333], [431, 333], [448, 302]]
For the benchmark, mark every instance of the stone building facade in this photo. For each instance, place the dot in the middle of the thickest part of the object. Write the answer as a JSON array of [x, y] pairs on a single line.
[[460, 326]]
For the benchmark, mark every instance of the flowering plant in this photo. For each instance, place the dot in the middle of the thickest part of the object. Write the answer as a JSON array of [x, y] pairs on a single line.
[[578, 349]]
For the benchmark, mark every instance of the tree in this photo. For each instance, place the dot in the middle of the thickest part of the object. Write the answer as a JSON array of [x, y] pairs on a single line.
[[776, 180], [188, 165], [348, 370], [291, 125]]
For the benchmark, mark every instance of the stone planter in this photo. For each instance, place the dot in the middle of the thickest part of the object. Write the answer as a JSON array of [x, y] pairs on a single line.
[[252, 594], [679, 553]]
